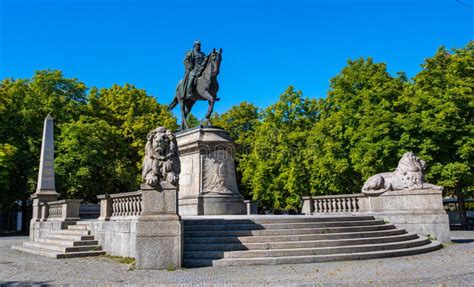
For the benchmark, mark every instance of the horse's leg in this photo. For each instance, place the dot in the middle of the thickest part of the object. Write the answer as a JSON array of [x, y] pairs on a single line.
[[184, 114], [211, 100]]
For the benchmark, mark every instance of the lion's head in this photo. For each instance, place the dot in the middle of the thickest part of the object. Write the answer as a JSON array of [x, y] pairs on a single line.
[[161, 160], [411, 168]]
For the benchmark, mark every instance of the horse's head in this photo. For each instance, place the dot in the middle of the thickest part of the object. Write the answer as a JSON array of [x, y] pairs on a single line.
[[215, 59]]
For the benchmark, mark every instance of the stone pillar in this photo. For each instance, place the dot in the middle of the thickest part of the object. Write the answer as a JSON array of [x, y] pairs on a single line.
[[308, 205], [105, 207], [159, 243], [207, 183], [46, 189]]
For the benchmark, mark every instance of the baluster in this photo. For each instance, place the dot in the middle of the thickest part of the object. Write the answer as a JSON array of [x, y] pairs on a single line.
[[132, 206], [352, 204], [128, 207], [118, 206]]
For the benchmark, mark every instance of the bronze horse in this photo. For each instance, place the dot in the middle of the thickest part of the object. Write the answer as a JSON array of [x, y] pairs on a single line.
[[204, 88]]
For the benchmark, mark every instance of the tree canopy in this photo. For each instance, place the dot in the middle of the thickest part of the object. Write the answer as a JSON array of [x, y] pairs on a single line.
[[99, 136]]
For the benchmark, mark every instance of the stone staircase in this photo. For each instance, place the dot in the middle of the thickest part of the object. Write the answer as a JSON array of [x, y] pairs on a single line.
[[268, 240], [75, 241]]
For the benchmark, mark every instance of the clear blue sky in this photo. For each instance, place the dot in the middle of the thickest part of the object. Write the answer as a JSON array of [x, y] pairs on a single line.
[[267, 45]]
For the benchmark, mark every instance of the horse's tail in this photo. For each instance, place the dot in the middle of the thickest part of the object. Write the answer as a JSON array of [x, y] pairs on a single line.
[[177, 96]]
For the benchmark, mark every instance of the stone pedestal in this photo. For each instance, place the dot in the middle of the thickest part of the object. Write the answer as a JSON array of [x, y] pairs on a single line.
[[159, 241], [207, 183], [419, 211]]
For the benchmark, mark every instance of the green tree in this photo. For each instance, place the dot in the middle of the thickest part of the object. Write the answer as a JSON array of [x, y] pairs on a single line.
[[24, 103], [126, 115], [436, 116], [90, 160], [192, 121], [356, 136], [274, 170], [7, 194]]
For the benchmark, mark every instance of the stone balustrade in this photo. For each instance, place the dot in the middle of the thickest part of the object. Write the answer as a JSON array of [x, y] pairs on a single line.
[[60, 210], [346, 203], [120, 205]]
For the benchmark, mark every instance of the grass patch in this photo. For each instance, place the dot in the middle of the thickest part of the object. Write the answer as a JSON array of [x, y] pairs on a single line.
[[119, 259]]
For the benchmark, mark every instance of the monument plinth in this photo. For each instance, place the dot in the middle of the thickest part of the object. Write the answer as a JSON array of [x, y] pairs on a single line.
[[207, 183], [46, 189], [159, 239]]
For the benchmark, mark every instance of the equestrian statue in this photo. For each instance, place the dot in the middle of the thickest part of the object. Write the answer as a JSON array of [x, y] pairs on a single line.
[[199, 82]]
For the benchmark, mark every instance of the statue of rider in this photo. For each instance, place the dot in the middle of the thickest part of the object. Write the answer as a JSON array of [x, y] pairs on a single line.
[[194, 64]]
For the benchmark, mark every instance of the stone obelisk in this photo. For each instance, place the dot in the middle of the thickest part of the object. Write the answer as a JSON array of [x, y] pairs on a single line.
[[46, 189]]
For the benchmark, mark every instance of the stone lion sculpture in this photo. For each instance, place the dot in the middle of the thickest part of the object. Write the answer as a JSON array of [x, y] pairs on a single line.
[[408, 175], [161, 160]]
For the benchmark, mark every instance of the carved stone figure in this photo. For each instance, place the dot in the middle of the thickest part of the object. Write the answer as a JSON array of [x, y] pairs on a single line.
[[161, 160], [199, 82], [217, 175], [408, 175]]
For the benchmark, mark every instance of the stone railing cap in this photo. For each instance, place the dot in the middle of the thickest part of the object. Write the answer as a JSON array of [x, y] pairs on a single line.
[[63, 201]]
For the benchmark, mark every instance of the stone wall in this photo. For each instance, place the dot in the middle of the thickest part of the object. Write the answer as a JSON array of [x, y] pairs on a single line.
[[117, 237], [419, 210], [43, 229]]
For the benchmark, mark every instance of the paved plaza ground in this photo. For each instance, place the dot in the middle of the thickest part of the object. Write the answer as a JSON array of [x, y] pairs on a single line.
[[450, 266]]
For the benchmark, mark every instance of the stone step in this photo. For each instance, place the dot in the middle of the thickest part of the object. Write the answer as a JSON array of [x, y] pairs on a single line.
[[270, 232], [71, 232], [71, 237], [266, 219], [56, 254], [287, 238], [297, 244], [78, 227], [293, 225], [67, 242], [313, 258], [305, 251], [83, 222], [62, 248]]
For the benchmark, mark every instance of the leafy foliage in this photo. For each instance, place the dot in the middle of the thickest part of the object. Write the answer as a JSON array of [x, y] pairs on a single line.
[[99, 136], [356, 136], [274, 168]]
